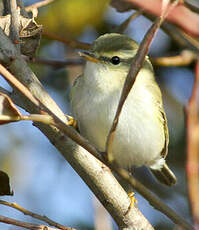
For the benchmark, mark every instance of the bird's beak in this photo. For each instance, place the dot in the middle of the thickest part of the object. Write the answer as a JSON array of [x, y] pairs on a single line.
[[89, 56]]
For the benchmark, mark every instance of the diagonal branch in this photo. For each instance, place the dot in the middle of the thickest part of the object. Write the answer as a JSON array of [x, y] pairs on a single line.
[[192, 167], [35, 215], [123, 26], [22, 224], [190, 25], [13, 81]]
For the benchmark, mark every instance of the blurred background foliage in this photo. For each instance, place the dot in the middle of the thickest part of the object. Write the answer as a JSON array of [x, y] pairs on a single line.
[[42, 181], [69, 18]]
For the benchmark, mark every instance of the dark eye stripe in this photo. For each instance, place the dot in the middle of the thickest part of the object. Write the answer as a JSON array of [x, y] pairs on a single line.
[[122, 60], [105, 59]]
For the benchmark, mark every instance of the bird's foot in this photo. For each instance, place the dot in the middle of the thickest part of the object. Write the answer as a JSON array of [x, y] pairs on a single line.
[[72, 122], [134, 202]]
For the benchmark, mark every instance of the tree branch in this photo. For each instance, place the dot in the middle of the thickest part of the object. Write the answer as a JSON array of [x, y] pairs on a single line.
[[38, 5], [15, 23], [181, 16], [35, 215], [22, 224], [186, 57], [123, 26], [192, 167]]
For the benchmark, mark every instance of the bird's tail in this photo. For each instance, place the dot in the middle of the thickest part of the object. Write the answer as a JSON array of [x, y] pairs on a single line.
[[165, 175]]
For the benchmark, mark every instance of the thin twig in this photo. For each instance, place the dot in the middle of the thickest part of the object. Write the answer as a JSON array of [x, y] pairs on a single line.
[[35, 215], [22, 224], [192, 40], [72, 43], [177, 34], [186, 57], [38, 5], [155, 202], [192, 167], [122, 27], [43, 118], [13, 81]]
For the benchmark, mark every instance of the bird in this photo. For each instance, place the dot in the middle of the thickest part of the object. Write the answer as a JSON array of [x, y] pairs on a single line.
[[141, 137]]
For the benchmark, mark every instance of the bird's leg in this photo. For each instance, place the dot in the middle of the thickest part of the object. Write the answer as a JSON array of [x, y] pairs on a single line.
[[131, 195], [133, 203]]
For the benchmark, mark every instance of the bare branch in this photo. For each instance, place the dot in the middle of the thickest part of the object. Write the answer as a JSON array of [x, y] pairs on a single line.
[[15, 12], [192, 167], [35, 215], [125, 24], [38, 5], [190, 25], [186, 57], [13, 81], [22, 224]]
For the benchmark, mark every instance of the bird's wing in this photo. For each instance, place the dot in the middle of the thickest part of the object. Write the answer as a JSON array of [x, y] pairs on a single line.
[[162, 116], [163, 120], [75, 83]]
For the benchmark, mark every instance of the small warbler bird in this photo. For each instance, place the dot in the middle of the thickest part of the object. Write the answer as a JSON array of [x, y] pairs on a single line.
[[141, 137]]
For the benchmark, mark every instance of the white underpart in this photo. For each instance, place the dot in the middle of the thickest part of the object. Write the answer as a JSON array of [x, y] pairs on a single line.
[[139, 137]]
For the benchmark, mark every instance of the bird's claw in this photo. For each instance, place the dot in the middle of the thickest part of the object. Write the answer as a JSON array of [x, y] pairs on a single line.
[[134, 202], [72, 122]]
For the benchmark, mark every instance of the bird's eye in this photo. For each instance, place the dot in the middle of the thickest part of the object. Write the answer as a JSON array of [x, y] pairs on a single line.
[[115, 60]]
